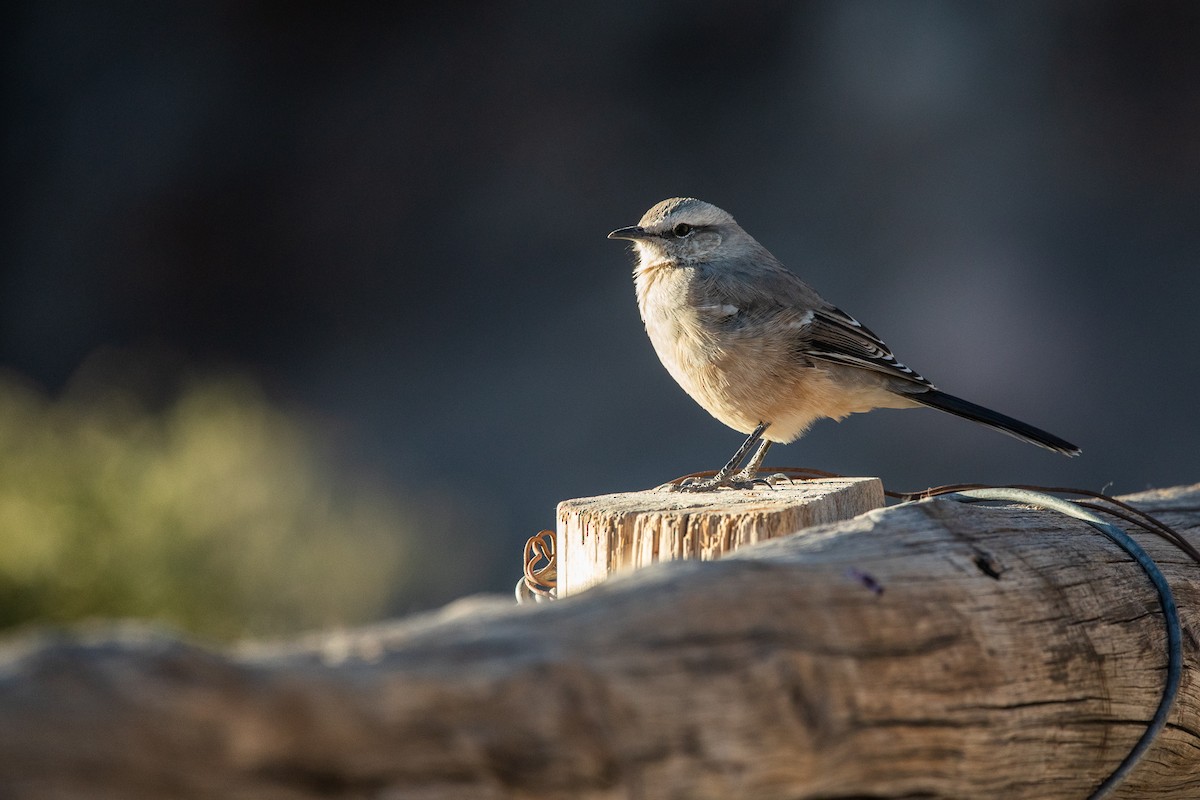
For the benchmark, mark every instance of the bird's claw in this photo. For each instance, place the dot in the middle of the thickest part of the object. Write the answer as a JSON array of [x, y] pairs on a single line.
[[712, 484], [740, 480]]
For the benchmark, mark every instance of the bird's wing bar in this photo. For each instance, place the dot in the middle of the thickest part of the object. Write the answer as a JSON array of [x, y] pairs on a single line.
[[837, 337]]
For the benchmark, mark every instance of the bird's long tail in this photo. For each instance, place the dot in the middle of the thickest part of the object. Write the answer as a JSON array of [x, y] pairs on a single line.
[[993, 419]]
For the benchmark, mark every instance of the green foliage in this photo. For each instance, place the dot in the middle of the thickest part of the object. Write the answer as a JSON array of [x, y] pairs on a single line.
[[214, 514]]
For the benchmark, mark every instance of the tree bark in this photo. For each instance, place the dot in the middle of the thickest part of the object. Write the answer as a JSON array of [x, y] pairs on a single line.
[[933, 650]]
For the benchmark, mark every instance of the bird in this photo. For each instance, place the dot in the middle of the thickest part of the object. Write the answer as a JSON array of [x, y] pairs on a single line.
[[760, 349]]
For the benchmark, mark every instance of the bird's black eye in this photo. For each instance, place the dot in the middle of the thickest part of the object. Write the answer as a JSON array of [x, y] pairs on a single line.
[[681, 230]]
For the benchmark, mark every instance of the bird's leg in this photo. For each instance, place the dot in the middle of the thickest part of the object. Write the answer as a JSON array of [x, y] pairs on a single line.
[[750, 472], [724, 476], [724, 472]]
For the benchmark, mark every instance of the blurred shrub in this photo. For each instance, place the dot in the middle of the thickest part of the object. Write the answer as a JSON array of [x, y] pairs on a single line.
[[212, 513]]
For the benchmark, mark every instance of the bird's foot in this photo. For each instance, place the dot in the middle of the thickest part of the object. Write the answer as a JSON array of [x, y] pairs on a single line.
[[695, 485], [738, 481]]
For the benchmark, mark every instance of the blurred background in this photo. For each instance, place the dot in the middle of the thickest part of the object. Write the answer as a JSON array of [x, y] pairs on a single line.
[[307, 314]]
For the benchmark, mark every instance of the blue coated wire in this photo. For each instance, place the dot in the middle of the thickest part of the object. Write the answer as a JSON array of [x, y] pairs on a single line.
[[1165, 598]]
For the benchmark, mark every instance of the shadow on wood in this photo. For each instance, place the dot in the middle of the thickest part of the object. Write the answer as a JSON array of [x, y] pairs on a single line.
[[931, 650]]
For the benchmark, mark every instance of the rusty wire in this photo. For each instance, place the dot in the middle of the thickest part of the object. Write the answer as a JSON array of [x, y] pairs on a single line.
[[541, 581]]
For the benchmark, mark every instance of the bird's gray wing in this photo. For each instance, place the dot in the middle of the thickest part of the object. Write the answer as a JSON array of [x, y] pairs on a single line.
[[835, 336], [752, 299], [768, 297]]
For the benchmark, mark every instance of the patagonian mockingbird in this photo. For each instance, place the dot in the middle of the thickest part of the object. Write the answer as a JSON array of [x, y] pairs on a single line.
[[758, 348]]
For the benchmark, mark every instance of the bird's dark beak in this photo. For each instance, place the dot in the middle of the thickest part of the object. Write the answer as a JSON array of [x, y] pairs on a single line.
[[632, 233]]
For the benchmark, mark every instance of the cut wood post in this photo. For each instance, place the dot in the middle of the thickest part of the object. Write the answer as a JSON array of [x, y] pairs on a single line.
[[600, 535]]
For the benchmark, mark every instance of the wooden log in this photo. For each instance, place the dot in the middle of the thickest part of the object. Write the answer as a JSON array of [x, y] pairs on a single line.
[[934, 650], [598, 536]]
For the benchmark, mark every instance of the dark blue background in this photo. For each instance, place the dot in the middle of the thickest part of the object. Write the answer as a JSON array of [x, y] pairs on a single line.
[[395, 221]]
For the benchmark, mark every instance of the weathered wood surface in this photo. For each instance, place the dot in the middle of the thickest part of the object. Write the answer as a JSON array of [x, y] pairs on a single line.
[[1010, 654], [600, 536]]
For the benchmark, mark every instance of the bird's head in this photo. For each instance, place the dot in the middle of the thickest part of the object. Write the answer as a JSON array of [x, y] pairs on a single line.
[[683, 230]]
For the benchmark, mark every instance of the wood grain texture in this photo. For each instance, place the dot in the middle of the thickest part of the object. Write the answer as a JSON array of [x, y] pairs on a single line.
[[933, 650], [600, 536]]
